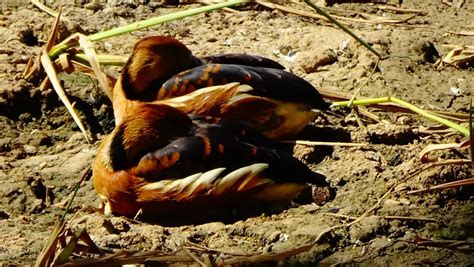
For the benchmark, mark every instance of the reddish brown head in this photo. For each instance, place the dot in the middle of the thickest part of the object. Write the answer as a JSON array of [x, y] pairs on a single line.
[[143, 130], [153, 61]]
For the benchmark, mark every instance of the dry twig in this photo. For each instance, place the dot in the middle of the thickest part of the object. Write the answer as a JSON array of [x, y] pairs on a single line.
[[463, 182], [386, 217]]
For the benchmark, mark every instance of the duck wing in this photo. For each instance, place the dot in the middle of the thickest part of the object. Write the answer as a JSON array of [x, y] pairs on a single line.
[[266, 82], [213, 163]]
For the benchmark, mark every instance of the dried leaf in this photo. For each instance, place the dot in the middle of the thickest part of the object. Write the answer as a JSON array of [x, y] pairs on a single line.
[[54, 32], [423, 155], [89, 50], [464, 182], [47, 254], [51, 72]]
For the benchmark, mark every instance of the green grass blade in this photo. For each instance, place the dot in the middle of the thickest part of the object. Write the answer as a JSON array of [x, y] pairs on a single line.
[[424, 113], [109, 60], [56, 50], [428, 115], [362, 102]]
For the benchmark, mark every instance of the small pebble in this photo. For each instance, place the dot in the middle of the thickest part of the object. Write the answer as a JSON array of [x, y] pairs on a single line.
[[30, 149]]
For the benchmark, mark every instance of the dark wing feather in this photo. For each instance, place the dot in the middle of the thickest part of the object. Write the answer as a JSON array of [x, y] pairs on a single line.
[[266, 82], [242, 59], [189, 155], [211, 126]]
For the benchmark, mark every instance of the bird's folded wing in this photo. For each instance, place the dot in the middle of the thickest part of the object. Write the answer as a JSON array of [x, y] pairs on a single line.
[[214, 164], [265, 82], [214, 182]]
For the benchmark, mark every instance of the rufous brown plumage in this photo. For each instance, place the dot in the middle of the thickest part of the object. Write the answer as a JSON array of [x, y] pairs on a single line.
[[162, 68], [165, 164]]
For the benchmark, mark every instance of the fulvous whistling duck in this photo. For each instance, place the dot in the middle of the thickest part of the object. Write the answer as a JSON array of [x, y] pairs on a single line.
[[162, 163], [275, 102]]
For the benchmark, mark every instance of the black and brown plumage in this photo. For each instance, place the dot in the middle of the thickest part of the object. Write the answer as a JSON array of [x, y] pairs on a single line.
[[162, 68], [165, 164]]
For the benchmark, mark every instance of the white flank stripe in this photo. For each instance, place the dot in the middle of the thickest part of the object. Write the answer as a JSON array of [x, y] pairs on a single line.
[[230, 179], [210, 176]]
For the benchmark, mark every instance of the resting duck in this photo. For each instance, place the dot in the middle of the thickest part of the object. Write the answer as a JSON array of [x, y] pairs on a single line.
[[162, 68], [163, 164]]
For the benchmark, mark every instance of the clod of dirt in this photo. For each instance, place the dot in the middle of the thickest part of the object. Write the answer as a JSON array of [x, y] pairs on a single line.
[[16, 199], [40, 190], [28, 37], [115, 226], [93, 6], [20, 98], [4, 215], [313, 60], [420, 50], [366, 228], [390, 134], [39, 139], [5, 144], [38, 206], [311, 154], [429, 52], [30, 149]]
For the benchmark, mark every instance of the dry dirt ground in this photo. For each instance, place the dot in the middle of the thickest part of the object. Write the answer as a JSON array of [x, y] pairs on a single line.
[[42, 152]]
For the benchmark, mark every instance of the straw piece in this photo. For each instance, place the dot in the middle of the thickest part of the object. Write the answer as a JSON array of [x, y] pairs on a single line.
[[54, 32], [423, 155], [315, 143], [464, 182], [89, 50], [51, 72], [58, 49]]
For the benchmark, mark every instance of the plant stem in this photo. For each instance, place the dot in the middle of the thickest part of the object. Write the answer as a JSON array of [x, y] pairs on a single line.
[[109, 60], [362, 102], [428, 115], [56, 50], [409, 106]]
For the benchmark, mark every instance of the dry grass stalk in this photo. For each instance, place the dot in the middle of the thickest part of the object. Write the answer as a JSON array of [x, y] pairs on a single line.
[[460, 57], [47, 10], [449, 244], [424, 157], [386, 217], [455, 184], [366, 18], [49, 252], [123, 257], [316, 143], [290, 10], [54, 32], [209, 2], [452, 46], [401, 10], [333, 94], [89, 50], [52, 75]]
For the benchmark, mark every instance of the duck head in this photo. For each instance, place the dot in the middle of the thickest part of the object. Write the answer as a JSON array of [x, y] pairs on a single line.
[[153, 61], [143, 130]]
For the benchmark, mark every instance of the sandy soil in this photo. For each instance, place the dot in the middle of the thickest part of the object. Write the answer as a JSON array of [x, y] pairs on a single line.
[[42, 152]]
